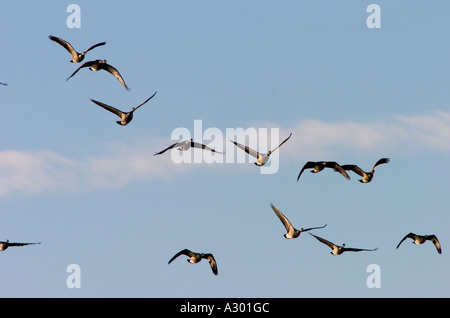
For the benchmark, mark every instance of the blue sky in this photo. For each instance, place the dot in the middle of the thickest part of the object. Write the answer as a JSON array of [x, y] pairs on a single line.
[[93, 193]]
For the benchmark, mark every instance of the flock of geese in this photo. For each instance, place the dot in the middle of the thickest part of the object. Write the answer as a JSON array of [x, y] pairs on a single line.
[[261, 159]]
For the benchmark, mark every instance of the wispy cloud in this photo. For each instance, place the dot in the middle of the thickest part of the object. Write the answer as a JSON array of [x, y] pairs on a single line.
[[38, 171]]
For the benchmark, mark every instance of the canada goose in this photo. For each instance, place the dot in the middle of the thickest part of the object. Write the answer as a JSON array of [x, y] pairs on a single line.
[[185, 145], [4, 84], [76, 57], [125, 117], [262, 159], [420, 239], [291, 231], [338, 250], [366, 176], [197, 257], [318, 166], [98, 65], [5, 244]]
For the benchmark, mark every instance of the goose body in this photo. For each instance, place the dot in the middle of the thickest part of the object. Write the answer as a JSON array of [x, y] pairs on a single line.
[[125, 117], [339, 249], [98, 65], [261, 159], [420, 239], [76, 56], [318, 166], [186, 145], [366, 176], [292, 232], [197, 257], [5, 244]]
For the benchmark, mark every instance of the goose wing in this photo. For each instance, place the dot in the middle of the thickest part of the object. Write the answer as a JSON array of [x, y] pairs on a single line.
[[379, 162], [283, 219], [115, 72], [94, 46], [436, 242], [170, 147], [134, 108], [308, 165], [281, 143], [201, 146], [20, 244], [355, 169], [353, 249], [248, 150], [324, 241], [212, 262], [107, 107], [65, 44], [86, 64], [182, 252], [313, 228], [336, 167], [409, 235]]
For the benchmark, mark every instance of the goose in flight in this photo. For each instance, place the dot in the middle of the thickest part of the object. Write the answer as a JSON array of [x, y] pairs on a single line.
[[320, 165], [76, 57], [292, 232], [338, 250], [125, 117], [4, 84], [366, 176], [197, 257], [420, 239], [262, 159], [98, 65], [5, 244], [186, 145]]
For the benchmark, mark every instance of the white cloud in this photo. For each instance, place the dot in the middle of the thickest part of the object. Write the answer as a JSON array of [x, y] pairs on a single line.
[[119, 164]]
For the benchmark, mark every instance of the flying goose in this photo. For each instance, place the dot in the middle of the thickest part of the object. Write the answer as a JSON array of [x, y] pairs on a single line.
[[98, 65], [366, 176], [262, 159], [186, 145], [197, 257], [76, 57], [5, 244], [320, 165], [292, 232], [338, 250], [4, 84], [420, 239], [125, 117]]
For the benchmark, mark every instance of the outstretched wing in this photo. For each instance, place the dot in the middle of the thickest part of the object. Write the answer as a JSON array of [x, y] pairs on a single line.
[[21, 244], [324, 241], [212, 263], [182, 252], [436, 242], [201, 146], [313, 228], [282, 218], [379, 162], [134, 108], [352, 249], [94, 46], [115, 72], [248, 150], [336, 167], [65, 44], [170, 147], [308, 165], [409, 235], [281, 143], [355, 169], [86, 64], [110, 108]]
